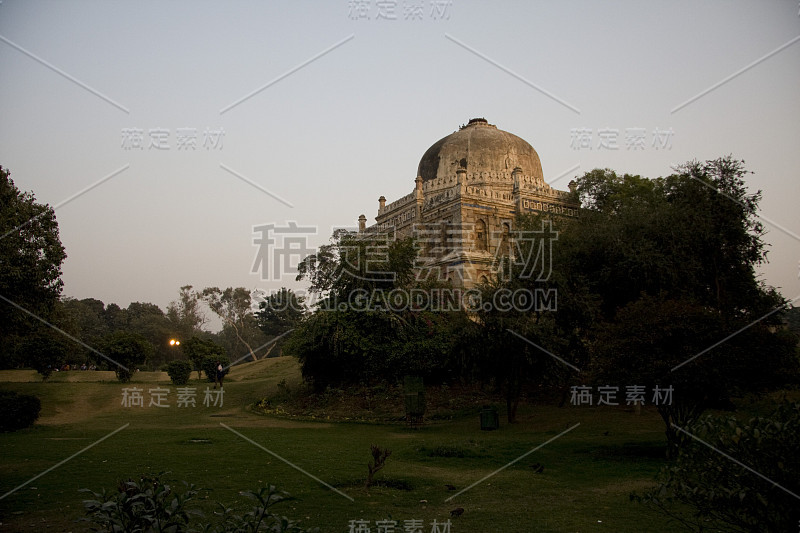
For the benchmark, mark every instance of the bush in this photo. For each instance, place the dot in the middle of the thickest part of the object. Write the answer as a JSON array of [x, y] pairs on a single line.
[[197, 349], [179, 372], [150, 505], [722, 495], [43, 351], [127, 350], [18, 410], [210, 366]]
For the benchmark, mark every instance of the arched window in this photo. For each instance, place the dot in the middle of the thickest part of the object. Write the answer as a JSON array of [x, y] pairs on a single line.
[[505, 240], [481, 242]]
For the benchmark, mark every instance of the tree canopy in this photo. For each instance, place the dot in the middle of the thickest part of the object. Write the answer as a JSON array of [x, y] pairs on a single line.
[[671, 264], [31, 255]]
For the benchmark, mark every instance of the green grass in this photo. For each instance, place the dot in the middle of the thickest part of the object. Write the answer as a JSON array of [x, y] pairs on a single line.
[[588, 472]]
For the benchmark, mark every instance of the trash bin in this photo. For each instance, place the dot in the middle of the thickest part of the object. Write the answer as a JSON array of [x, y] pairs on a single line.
[[489, 419]]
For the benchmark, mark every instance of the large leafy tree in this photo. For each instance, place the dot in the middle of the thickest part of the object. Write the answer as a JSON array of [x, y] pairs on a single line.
[[128, 351], [185, 314], [233, 307], [650, 339], [44, 350], [672, 264], [31, 255], [357, 335], [197, 349], [358, 263], [149, 320], [530, 312], [694, 233], [278, 314]]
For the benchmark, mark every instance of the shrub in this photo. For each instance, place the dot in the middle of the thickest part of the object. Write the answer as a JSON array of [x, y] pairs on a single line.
[[179, 372], [379, 456], [210, 366], [150, 505], [722, 495], [144, 505], [18, 410]]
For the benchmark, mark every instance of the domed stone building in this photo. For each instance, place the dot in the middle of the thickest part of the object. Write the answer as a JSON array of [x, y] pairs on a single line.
[[470, 185]]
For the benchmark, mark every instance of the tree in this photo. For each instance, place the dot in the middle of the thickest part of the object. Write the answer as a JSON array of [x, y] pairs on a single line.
[[31, 255], [652, 336], [279, 313], [350, 264], [233, 307], [671, 262], [550, 311], [44, 350], [197, 349], [185, 314], [150, 322], [88, 319], [127, 350], [210, 364], [356, 335], [692, 234]]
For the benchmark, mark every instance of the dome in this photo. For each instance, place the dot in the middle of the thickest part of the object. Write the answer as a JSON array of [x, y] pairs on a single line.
[[479, 147]]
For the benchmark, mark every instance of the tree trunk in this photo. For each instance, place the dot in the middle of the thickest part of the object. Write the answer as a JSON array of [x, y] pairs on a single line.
[[512, 400], [236, 331]]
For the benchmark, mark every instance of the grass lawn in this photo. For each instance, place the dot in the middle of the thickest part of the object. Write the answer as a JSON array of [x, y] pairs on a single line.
[[588, 473]]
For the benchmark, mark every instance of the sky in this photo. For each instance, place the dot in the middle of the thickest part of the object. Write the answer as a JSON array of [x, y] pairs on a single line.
[[165, 133]]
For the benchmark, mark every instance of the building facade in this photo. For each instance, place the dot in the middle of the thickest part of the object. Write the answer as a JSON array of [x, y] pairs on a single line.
[[470, 186]]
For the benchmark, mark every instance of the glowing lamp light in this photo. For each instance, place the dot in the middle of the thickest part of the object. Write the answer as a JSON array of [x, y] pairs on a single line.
[[174, 342]]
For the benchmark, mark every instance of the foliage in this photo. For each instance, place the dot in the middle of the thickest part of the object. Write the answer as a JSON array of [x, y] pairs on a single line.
[[669, 264], [126, 350], [725, 496], [232, 305], [146, 505], [279, 313], [44, 351], [31, 255], [149, 505], [148, 320], [652, 336], [259, 518], [349, 347], [379, 456], [18, 410], [210, 363], [90, 320], [516, 342], [197, 349], [349, 264], [179, 372], [185, 314], [692, 234], [356, 335], [792, 320]]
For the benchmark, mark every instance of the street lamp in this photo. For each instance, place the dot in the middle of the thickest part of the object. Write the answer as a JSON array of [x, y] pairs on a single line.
[[174, 342]]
